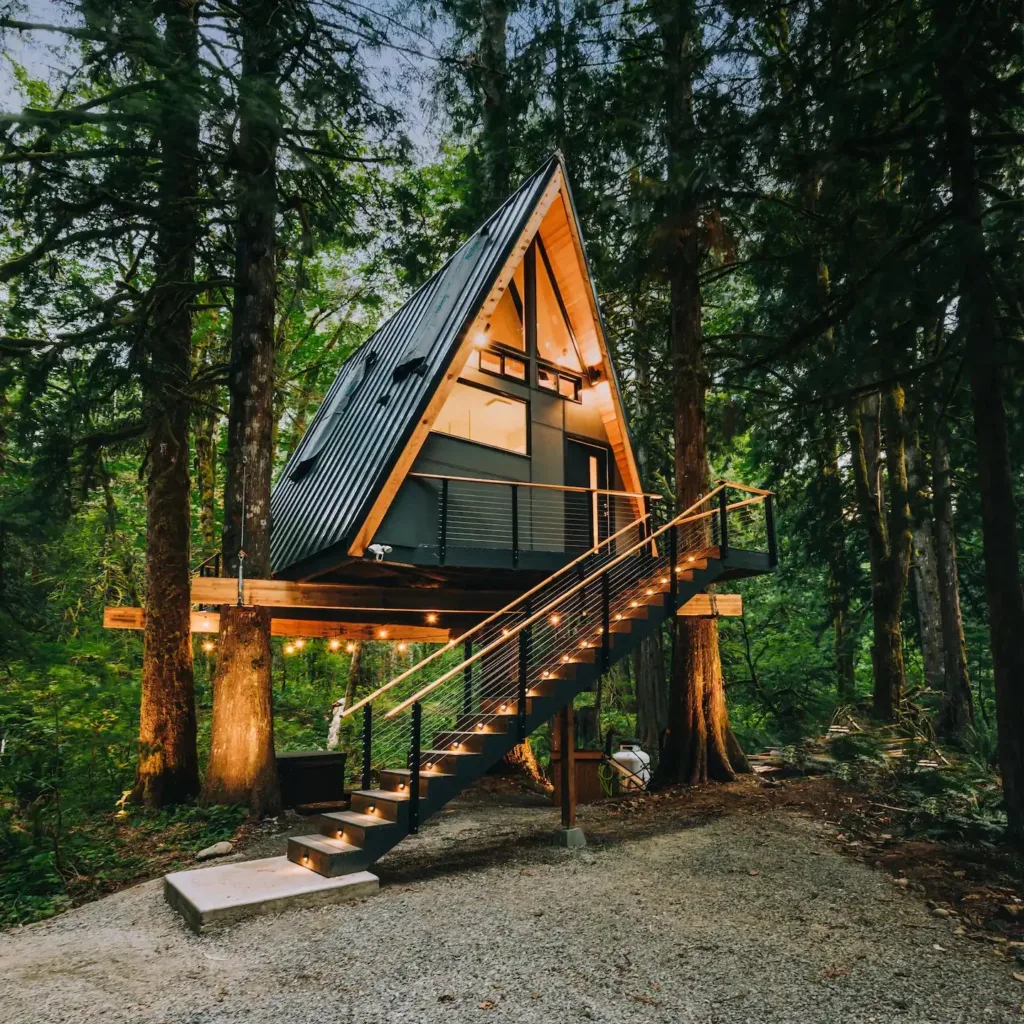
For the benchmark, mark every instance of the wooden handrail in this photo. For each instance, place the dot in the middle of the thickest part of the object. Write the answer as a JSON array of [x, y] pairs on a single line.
[[491, 618], [679, 520], [524, 483]]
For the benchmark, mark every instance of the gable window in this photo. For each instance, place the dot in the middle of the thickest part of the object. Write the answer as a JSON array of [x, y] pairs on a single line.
[[506, 324], [555, 340], [565, 384], [484, 417], [501, 364]]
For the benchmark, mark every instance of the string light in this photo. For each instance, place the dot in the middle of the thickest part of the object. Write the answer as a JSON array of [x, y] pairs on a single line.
[[288, 648], [334, 644], [403, 646], [350, 647], [555, 619], [383, 634], [299, 644], [431, 618], [208, 645]]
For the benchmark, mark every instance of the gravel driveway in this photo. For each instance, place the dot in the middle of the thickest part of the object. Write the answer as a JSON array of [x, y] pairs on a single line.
[[749, 918]]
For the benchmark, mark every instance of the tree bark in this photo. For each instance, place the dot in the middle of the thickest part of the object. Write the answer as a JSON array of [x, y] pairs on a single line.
[[982, 343], [206, 471], [699, 744], [492, 66], [242, 690], [651, 700], [956, 715], [889, 538], [924, 567], [168, 767]]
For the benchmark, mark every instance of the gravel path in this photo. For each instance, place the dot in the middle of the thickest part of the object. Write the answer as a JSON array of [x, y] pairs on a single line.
[[747, 919]]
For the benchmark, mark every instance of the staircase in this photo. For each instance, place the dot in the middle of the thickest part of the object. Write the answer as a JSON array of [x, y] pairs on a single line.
[[523, 664]]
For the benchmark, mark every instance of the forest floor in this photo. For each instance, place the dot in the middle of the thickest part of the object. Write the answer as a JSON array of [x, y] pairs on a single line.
[[789, 902]]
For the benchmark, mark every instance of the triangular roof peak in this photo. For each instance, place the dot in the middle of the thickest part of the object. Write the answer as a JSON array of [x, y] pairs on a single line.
[[342, 477]]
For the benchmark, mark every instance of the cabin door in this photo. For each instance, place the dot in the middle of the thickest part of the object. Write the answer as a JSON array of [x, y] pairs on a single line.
[[586, 515]]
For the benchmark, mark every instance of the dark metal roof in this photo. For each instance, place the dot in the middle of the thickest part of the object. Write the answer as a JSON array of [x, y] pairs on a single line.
[[335, 474]]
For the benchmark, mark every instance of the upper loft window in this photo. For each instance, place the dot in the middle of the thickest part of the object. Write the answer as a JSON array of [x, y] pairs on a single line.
[[555, 341], [506, 324], [566, 385], [485, 417], [501, 364]]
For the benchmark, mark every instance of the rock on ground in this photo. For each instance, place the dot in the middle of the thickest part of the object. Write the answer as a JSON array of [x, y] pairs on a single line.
[[747, 919]]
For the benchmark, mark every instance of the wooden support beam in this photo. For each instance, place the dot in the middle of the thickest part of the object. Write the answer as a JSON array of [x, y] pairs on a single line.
[[217, 590], [209, 622], [710, 606]]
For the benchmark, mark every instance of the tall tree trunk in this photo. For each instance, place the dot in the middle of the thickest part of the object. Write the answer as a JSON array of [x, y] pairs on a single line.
[[168, 767], [651, 702], [888, 538], [205, 426], [956, 715], [924, 566], [982, 343], [354, 671], [492, 60], [245, 772], [699, 744]]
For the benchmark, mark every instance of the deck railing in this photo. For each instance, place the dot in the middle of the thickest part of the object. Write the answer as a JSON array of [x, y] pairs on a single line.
[[525, 519], [503, 658]]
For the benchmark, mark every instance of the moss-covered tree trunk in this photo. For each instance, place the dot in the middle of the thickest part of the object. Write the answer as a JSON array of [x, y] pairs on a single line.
[[168, 769], [699, 744], [956, 715], [984, 357], [242, 768], [889, 537]]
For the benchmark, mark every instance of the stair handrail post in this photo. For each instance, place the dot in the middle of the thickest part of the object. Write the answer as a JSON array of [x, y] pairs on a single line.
[[515, 527], [606, 623], [769, 522], [524, 670], [673, 568], [367, 744], [467, 676], [414, 768], [442, 529], [723, 513], [648, 526]]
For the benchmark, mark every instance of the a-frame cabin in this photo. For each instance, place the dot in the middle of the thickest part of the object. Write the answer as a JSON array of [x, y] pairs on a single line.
[[478, 437]]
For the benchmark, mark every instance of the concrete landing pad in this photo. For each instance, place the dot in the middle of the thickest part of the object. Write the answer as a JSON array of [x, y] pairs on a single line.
[[207, 897]]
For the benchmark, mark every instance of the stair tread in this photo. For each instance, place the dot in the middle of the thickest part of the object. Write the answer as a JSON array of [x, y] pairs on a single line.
[[356, 818], [452, 753], [325, 844], [424, 772], [382, 794]]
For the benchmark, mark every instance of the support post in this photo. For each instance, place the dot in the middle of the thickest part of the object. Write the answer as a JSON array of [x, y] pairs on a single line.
[[567, 742], [467, 677], [515, 527], [367, 743], [524, 669], [606, 623], [769, 522], [442, 539], [414, 768], [723, 514], [673, 568]]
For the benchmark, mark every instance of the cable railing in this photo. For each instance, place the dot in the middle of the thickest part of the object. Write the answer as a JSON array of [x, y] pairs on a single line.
[[525, 519], [518, 652]]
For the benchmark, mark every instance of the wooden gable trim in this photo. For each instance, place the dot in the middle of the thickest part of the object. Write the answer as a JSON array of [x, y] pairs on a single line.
[[415, 443]]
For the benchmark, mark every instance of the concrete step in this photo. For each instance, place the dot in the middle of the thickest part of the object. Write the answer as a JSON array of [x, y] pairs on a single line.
[[211, 897]]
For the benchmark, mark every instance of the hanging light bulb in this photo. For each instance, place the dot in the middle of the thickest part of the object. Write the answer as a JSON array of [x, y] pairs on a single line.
[[382, 634], [431, 618], [300, 644], [403, 646], [334, 644], [288, 648], [350, 647], [555, 618], [208, 645]]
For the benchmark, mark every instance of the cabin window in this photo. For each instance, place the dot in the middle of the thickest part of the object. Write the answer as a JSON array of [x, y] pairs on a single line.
[[506, 324], [485, 417], [565, 384], [502, 365], [555, 341]]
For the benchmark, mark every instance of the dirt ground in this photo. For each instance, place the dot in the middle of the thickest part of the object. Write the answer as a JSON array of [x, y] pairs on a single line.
[[743, 903]]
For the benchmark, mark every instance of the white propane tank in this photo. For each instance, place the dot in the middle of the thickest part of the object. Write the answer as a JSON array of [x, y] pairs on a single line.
[[637, 764]]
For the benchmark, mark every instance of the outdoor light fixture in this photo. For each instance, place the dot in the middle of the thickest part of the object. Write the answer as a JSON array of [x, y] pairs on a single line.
[[383, 634], [334, 644], [402, 646], [555, 619], [480, 725], [287, 649], [431, 617], [208, 645], [350, 647], [300, 644], [504, 707]]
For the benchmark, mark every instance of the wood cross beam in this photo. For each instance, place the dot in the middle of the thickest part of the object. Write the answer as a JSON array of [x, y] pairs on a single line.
[[711, 606], [209, 622]]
